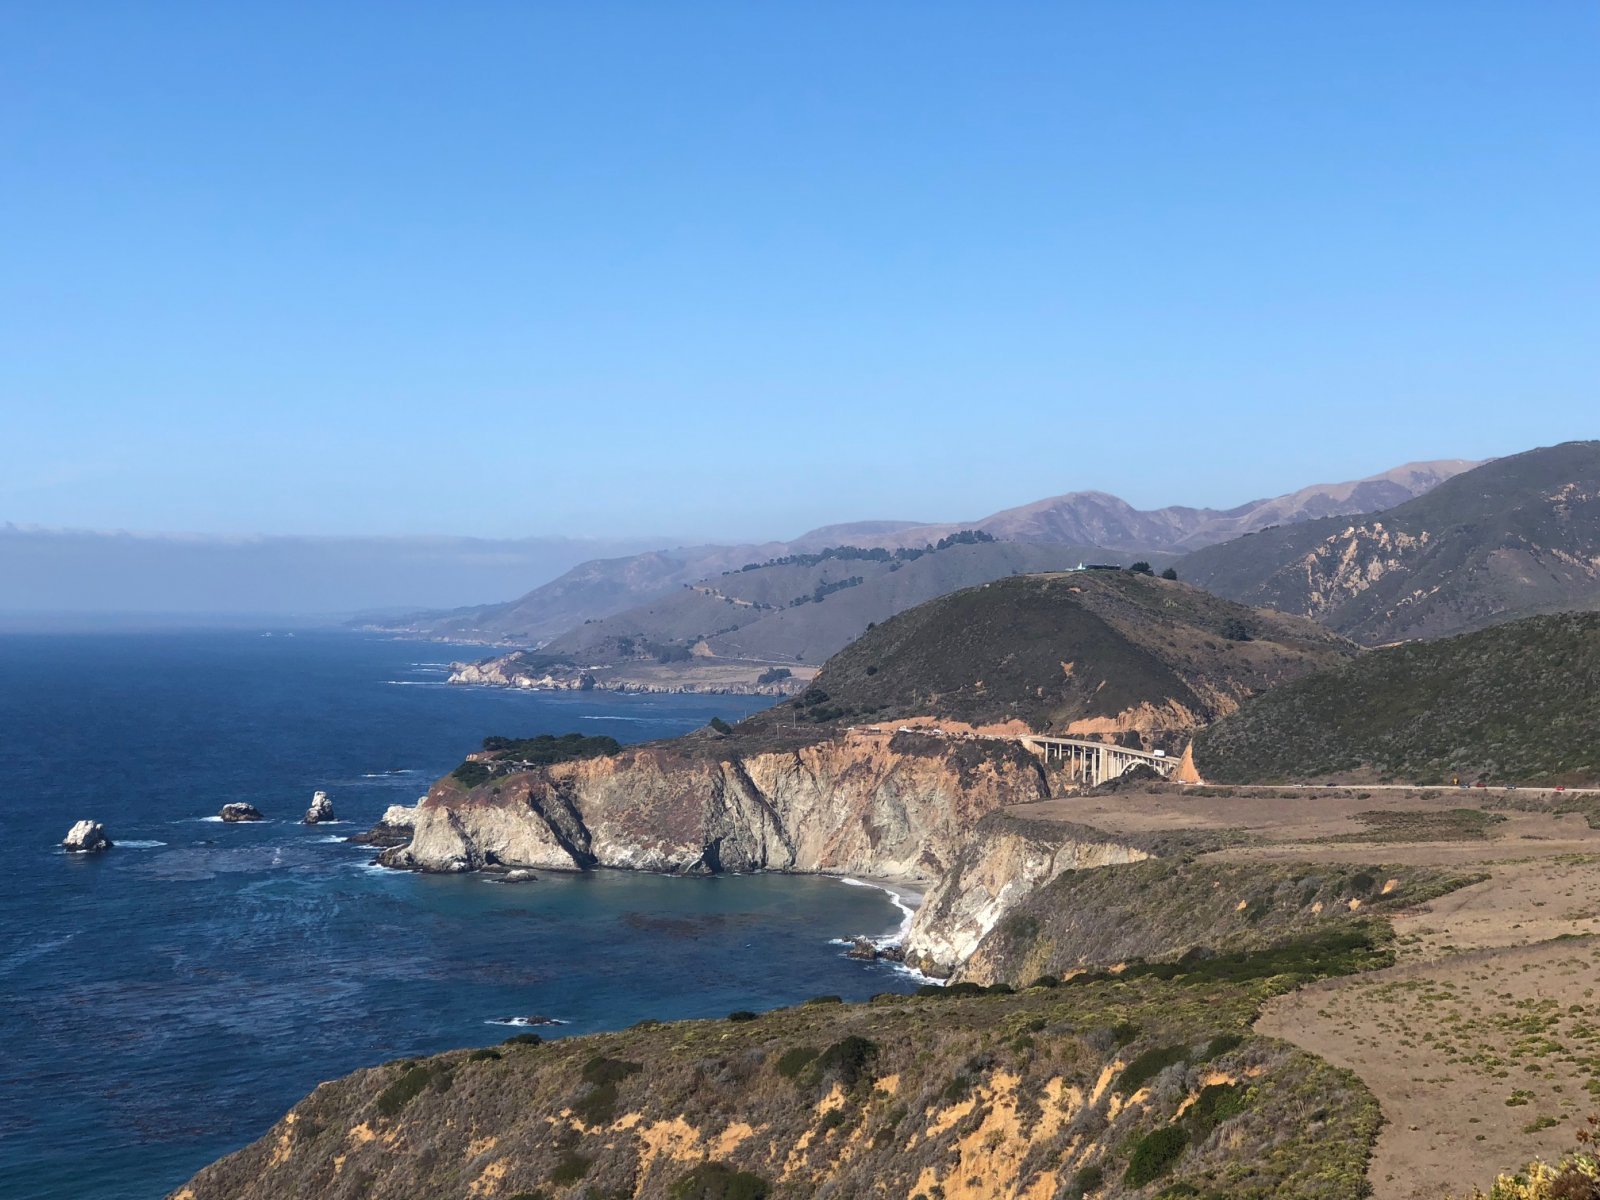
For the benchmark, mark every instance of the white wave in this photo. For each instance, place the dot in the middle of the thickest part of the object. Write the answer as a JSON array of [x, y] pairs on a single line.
[[415, 683], [137, 844], [908, 911], [520, 1022], [388, 774], [663, 720], [335, 840]]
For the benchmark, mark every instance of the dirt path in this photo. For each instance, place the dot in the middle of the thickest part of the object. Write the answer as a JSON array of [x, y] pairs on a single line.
[[1483, 1044]]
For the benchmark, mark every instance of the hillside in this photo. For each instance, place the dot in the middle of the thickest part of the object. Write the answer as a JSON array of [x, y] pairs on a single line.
[[1516, 703], [1086, 526], [797, 609], [1114, 1087], [1514, 537], [1079, 652]]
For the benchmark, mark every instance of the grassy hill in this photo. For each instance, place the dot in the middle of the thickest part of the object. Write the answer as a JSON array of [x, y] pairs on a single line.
[[1514, 537], [802, 608], [1516, 703], [1109, 650], [1115, 1087]]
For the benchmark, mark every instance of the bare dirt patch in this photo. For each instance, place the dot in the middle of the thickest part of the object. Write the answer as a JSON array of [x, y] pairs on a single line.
[[1479, 1061], [1482, 1045]]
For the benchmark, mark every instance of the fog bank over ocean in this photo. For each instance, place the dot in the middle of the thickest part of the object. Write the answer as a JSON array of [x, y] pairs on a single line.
[[67, 572]]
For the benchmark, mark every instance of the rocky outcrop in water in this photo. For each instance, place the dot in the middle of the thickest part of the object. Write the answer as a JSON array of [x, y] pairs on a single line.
[[321, 809], [240, 811], [86, 837], [394, 829]]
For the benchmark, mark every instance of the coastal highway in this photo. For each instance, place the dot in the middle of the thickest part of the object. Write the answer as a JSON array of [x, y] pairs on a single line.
[[1405, 787]]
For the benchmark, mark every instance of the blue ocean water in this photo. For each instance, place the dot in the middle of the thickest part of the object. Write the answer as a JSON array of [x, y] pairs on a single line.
[[163, 1003]]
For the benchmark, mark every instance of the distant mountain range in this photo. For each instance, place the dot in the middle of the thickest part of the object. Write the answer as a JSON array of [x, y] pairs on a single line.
[[1514, 537], [637, 597], [1100, 519]]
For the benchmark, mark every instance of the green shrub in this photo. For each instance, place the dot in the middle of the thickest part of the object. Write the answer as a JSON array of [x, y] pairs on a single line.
[[847, 1060], [741, 1014], [1147, 1066], [718, 725], [410, 1085], [956, 1090], [1216, 1103], [599, 1105], [1222, 1044], [794, 1060], [523, 1039], [719, 1181], [572, 1167], [484, 1055], [1045, 981], [471, 774], [833, 1119], [1154, 1155], [600, 1069], [826, 1000], [1088, 1180]]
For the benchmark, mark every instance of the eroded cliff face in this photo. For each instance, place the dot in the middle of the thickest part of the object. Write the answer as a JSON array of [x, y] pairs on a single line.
[[1003, 862], [901, 808]]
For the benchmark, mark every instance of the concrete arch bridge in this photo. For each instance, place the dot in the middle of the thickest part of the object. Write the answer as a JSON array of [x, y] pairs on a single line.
[[1093, 763]]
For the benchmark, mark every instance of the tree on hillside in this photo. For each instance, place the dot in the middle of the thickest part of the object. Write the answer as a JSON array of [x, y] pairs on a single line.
[[1169, 573], [1141, 568]]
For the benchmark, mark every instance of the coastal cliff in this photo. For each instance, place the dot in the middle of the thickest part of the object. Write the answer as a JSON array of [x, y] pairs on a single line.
[[1003, 862], [900, 806]]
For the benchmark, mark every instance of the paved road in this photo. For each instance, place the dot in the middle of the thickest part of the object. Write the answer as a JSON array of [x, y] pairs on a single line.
[[1499, 789]]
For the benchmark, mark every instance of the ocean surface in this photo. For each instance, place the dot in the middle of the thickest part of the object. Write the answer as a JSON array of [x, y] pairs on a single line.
[[163, 1003]]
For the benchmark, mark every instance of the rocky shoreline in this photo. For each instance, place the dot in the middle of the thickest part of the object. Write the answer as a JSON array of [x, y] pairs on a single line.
[[918, 817], [507, 671]]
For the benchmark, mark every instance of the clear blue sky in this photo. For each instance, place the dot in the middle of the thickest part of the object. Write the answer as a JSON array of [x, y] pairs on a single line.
[[739, 269]]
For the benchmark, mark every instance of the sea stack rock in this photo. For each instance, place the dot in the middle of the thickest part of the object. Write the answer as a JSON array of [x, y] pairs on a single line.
[[393, 830], [321, 809], [86, 837], [240, 812]]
